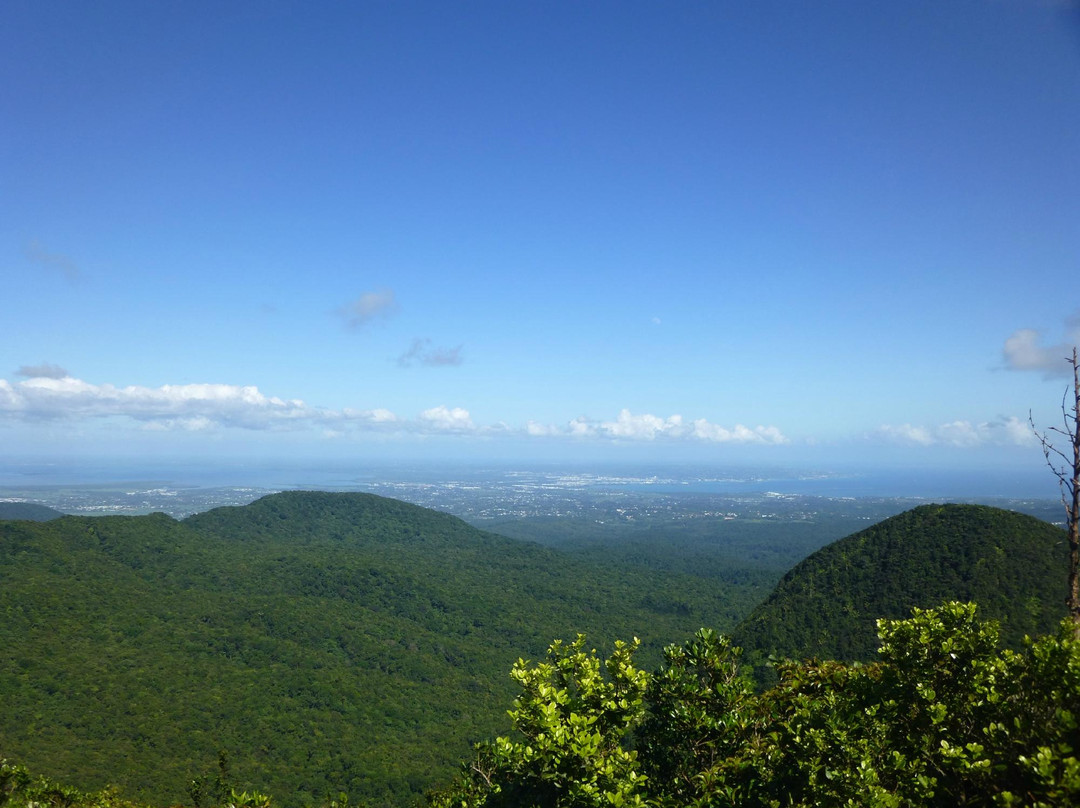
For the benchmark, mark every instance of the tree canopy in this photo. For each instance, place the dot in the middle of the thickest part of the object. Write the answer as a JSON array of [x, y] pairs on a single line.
[[1011, 564], [943, 718], [328, 642]]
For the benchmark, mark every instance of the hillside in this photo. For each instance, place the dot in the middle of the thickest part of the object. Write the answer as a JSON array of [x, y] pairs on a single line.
[[1012, 565], [28, 510], [328, 642]]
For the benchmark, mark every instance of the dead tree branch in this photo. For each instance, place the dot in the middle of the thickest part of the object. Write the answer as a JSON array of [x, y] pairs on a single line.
[[1067, 471]]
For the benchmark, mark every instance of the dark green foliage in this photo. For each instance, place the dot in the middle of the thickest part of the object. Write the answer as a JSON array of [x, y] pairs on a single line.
[[28, 510], [746, 550], [944, 719], [746, 556], [1012, 565], [328, 642]]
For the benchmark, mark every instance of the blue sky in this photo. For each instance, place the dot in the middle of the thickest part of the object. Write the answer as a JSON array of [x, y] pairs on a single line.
[[772, 232]]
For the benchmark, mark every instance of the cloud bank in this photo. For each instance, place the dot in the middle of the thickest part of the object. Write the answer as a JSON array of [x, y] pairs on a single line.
[[1005, 431], [646, 427], [187, 406], [47, 393], [50, 394], [445, 419]]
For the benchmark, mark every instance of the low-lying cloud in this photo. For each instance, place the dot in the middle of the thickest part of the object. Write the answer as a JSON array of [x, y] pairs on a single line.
[[203, 407], [48, 393], [647, 427], [1005, 431], [186, 406], [448, 419]]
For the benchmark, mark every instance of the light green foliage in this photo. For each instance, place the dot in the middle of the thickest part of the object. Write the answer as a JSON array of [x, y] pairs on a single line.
[[905, 731], [573, 719], [942, 719]]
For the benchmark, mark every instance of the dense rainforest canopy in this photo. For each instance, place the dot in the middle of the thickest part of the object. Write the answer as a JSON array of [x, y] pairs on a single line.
[[328, 642], [350, 644], [945, 718], [1012, 565]]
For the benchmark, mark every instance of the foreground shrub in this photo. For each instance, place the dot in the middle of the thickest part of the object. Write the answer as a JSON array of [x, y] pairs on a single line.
[[944, 718]]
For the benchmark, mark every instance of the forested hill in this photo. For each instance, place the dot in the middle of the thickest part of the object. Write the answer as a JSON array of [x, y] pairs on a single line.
[[28, 510], [358, 519], [328, 642], [1012, 565]]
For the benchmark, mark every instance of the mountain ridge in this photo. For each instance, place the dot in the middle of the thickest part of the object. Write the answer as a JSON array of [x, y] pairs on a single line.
[[32, 511]]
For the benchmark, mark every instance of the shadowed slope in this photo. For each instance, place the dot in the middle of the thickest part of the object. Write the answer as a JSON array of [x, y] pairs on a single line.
[[1012, 565]]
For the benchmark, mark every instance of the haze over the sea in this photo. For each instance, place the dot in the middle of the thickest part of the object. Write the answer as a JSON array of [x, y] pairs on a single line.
[[21, 474]]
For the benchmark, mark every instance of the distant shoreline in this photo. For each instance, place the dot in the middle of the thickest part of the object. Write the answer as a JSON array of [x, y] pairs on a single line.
[[112, 487]]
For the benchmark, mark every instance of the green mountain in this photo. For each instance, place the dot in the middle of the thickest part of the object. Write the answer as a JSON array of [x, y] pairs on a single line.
[[28, 510], [1014, 566], [327, 642]]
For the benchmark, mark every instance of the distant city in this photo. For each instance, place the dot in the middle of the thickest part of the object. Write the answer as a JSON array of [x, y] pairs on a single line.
[[486, 495]]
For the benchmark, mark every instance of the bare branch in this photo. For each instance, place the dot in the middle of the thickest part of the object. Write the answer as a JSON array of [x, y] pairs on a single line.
[[1067, 471]]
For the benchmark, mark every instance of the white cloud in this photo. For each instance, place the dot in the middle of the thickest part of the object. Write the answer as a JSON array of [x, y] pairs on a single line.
[[188, 407], [1017, 431], [1006, 431], [537, 430], [210, 407], [581, 427], [376, 416], [737, 434], [368, 308], [444, 419], [1023, 351], [648, 427], [196, 407], [198, 424], [960, 433], [642, 427], [906, 433], [185, 405]]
